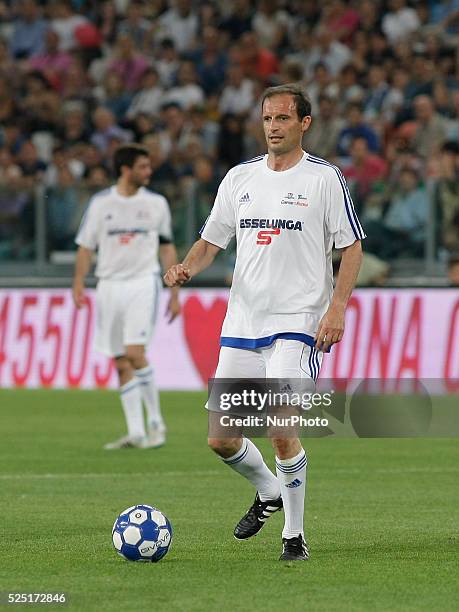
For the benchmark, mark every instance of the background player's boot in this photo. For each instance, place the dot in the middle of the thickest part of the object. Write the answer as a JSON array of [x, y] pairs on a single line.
[[251, 523], [127, 442], [294, 549], [156, 436]]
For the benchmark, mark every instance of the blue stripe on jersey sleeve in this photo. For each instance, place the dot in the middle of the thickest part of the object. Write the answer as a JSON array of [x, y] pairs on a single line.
[[350, 210], [253, 160], [254, 343]]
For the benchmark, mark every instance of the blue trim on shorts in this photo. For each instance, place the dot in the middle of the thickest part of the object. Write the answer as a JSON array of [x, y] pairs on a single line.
[[254, 343]]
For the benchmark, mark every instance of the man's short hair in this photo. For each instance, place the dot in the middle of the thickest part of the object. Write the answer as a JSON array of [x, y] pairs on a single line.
[[127, 155], [302, 102]]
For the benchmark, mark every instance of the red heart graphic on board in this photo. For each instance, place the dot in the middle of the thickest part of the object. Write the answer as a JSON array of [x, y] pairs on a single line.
[[202, 326]]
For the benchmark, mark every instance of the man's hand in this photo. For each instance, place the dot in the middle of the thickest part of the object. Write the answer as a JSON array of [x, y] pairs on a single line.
[[78, 294], [177, 275], [331, 328], [173, 308]]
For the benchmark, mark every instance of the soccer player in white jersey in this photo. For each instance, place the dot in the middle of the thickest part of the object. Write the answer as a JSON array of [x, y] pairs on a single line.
[[287, 210], [130, 227]]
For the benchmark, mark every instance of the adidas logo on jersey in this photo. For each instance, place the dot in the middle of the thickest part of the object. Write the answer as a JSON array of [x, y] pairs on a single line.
[[245, 199], [294, 484]]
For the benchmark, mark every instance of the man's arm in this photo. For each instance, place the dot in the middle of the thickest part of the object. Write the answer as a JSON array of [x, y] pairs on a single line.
[[82, 267], [331, 327], [168, 258], [199, 257]]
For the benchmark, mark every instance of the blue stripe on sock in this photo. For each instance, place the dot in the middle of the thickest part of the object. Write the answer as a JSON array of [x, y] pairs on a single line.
[[149, 372], [126, 390], [291, 469], [240, 458]]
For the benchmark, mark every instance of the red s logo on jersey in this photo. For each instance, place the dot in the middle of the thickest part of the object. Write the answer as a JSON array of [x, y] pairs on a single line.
[[264, 236]]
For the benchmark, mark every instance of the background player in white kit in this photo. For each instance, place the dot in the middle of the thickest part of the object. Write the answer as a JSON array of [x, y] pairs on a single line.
[[287, 210], [130, 227]]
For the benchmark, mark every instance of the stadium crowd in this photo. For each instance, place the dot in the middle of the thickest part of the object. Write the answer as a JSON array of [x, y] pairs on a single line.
[[77, 78]]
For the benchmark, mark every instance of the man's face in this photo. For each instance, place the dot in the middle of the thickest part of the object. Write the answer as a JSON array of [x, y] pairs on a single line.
[[140, 173], [283, 129]]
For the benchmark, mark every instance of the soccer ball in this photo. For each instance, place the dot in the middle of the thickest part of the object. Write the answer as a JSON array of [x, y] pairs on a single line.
[[142, 533]]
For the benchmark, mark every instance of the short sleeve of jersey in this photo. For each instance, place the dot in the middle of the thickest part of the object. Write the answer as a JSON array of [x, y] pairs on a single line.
[[220, 226], [88, 233], [165, 228], [341, 219]]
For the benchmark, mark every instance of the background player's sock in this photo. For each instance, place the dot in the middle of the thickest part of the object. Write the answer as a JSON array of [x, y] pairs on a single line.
[[131, 400], [291, 474], [248, 461], [150, 396]]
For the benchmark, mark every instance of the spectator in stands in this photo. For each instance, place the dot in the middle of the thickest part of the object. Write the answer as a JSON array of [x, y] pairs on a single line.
[[114, 96], [430, 127], [73, 128], [231, 141], [127, 63], [136, 26], [271, 24], [32, 167], [204, 129], [320, 85], [172, 136], [376, 94], [187, 92], [400, 22], [238, 93], [446, 196], [28, 37], [65, 21], [238, 20], [402, 229], [365, 169], [64, 210], [106, 130], [322, 137], [341, 19], [350, 88], [180, 24], [257, 61], [168, 62], [41, 103], [328, 51], [356, 126], [52, 61], [210, 61], [8, 108], [149, 97]]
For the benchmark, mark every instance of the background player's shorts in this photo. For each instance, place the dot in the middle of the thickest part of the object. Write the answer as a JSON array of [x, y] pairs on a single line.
[[289, 360], [126, 313]]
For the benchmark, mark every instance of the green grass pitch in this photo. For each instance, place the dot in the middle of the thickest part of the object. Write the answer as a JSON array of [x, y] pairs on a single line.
[[381, 516]]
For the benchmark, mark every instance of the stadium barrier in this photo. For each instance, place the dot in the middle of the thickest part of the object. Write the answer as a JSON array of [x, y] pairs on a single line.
[[390, 334]]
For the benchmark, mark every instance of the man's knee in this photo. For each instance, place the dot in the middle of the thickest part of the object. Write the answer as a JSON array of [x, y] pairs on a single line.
[[124, 369], [225, 447], [136, 356], [286, 447]]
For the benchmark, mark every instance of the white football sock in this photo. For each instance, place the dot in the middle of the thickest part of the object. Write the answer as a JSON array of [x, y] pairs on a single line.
[[150, 396], [249, 462], [131, 400], [291, 474]]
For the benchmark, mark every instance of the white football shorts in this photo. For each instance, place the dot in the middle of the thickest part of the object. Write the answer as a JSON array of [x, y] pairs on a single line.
[[126, 313], [282, 359], [295, 362]]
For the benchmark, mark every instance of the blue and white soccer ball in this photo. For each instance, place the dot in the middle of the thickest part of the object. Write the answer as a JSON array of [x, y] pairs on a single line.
[[142, 533]]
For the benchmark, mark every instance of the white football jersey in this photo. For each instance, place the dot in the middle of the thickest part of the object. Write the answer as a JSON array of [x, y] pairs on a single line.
[[286, 224], [126, 232]]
